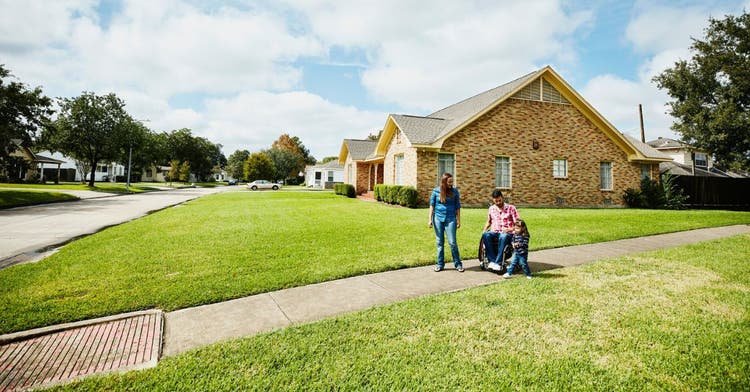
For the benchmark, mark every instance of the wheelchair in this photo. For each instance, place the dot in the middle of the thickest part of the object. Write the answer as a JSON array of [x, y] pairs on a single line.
[[506, 258]]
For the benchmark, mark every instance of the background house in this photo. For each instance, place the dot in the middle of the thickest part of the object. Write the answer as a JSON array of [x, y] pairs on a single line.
[[535, 138], [324, 175], [361, 167], [687, 160]]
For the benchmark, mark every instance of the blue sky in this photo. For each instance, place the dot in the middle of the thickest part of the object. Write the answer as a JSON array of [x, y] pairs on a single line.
[[240, 73]]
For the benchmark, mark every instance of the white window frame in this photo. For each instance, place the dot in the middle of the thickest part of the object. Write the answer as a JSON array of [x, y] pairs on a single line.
[[398, 169], [443, 168], [606, 181], [330, 176], [703, 159], [503, 177], [645, 171], [560, 168]]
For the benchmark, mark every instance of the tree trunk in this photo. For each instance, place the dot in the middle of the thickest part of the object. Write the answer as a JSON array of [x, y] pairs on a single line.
[[93, 174]]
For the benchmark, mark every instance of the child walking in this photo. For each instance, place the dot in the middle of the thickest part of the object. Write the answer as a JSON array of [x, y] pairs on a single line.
[[520, 243]]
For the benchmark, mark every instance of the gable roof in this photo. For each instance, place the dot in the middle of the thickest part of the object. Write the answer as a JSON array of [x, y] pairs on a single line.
[[429, 132], [357, 148], [648, 151]]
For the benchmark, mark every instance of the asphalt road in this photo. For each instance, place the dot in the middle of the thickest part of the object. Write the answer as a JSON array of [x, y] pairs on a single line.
[[28, 233]]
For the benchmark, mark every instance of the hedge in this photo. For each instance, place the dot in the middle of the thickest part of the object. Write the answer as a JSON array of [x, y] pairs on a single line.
[[396, 194], [344, 190]]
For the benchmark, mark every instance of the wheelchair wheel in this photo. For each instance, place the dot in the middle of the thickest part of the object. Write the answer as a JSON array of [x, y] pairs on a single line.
[[482, 256]]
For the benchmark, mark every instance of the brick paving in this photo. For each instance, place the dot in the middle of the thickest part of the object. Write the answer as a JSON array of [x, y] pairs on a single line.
[[121, 344]]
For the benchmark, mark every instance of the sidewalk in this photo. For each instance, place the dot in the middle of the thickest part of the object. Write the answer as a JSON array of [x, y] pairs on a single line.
[[190, 328]]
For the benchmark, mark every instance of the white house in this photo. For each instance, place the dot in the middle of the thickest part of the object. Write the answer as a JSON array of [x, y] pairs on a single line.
[[324, 175], [70, 171]]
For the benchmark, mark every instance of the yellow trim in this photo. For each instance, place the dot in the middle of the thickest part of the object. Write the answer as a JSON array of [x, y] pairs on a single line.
[[343, 153], [389, 129]]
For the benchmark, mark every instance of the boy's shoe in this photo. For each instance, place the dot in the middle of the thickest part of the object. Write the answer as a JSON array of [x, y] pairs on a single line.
[[506, 275], [528, 277], [493, 266]]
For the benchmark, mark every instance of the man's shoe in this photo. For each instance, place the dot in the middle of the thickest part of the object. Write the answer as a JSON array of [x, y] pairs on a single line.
[[506, 276], [493, 266]]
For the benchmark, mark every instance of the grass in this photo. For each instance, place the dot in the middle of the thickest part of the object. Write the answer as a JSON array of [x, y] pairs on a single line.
[[236, 244], [14, 198], [670, 320]]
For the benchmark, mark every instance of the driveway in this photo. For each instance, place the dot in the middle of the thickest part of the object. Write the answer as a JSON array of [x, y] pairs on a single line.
[[31, 231]]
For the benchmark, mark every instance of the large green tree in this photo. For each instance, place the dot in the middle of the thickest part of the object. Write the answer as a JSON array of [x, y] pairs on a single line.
[[288, 164], [259, 166], [23, 111], [711, 92], [92, 128], [236, 163], [200, 152]]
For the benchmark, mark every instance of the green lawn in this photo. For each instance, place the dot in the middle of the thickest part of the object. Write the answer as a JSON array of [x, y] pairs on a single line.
[[671, 320], [236, 244], [14, 198]]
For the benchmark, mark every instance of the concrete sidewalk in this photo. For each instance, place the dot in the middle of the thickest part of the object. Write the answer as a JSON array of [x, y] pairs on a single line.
[[190, 328]]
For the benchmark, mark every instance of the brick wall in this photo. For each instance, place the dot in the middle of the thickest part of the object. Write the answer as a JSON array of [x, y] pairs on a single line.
[[508, 130], [399, 145]]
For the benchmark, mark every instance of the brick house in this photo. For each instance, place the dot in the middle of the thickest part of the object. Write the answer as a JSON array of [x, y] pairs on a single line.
[[361, 168], [535, 137]]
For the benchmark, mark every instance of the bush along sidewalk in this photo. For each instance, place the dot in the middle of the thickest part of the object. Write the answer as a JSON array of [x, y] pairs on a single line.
[[406, 196]]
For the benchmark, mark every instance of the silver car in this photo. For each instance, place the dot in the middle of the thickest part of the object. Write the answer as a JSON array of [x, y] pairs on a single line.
[[263, 184]]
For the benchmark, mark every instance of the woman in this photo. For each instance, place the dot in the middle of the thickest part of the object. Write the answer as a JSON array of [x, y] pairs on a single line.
[[445, 218]]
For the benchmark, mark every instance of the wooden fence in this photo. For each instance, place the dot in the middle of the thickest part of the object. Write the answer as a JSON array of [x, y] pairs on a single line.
[[716, 192]]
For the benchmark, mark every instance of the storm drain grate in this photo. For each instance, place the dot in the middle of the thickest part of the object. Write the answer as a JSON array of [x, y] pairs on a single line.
[[121, 344]]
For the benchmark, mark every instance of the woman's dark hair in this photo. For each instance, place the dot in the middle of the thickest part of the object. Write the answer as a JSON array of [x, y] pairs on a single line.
[[445, 190], [497, 193]]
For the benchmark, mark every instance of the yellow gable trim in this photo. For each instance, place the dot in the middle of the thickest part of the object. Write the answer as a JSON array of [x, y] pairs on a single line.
[[343, 153], [389, 130]]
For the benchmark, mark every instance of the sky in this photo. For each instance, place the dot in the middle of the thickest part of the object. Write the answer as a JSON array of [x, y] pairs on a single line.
[[241, 73]]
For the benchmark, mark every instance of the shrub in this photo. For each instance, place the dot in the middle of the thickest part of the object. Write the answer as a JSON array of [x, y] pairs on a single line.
[[656, 195], [344, 190]]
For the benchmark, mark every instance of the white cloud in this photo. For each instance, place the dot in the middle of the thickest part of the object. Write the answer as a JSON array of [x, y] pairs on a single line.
[[253, 120], [662, 33], [424, 58]]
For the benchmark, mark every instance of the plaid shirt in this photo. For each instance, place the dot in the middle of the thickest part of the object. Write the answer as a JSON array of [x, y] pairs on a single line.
[[502, 218]]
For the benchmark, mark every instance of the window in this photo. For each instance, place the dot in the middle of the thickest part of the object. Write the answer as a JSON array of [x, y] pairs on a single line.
[[398, 168], [701, 160], [605, 176], [645, 172], [502, 172], [560, 168], [446, 164], [330, 176]]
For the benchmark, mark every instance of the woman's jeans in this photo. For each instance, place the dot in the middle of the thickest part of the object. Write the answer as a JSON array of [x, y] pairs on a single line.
[[494, 255], [449, 229], [522, 259]]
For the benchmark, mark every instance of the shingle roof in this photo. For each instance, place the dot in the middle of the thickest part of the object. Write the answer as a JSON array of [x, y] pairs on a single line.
[[360, 149], [329, 165], [646, 150], [664, 142], [428, 129]]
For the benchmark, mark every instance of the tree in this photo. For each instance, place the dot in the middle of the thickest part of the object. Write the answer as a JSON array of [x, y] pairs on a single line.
[[185, 171], [174, 170], [329, 159], [259, 166], [287, 163], [23, 112], [91, 128], [236, 163], [200, 152], [711, 92]]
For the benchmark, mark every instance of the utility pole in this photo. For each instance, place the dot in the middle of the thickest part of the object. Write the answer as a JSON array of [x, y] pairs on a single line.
[[640, 115]]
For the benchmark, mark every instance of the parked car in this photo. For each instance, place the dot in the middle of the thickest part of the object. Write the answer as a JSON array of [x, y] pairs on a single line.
[[263, 184], [233, 181]]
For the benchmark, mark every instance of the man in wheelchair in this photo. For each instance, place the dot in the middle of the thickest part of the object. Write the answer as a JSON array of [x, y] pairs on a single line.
[[498, 230]]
